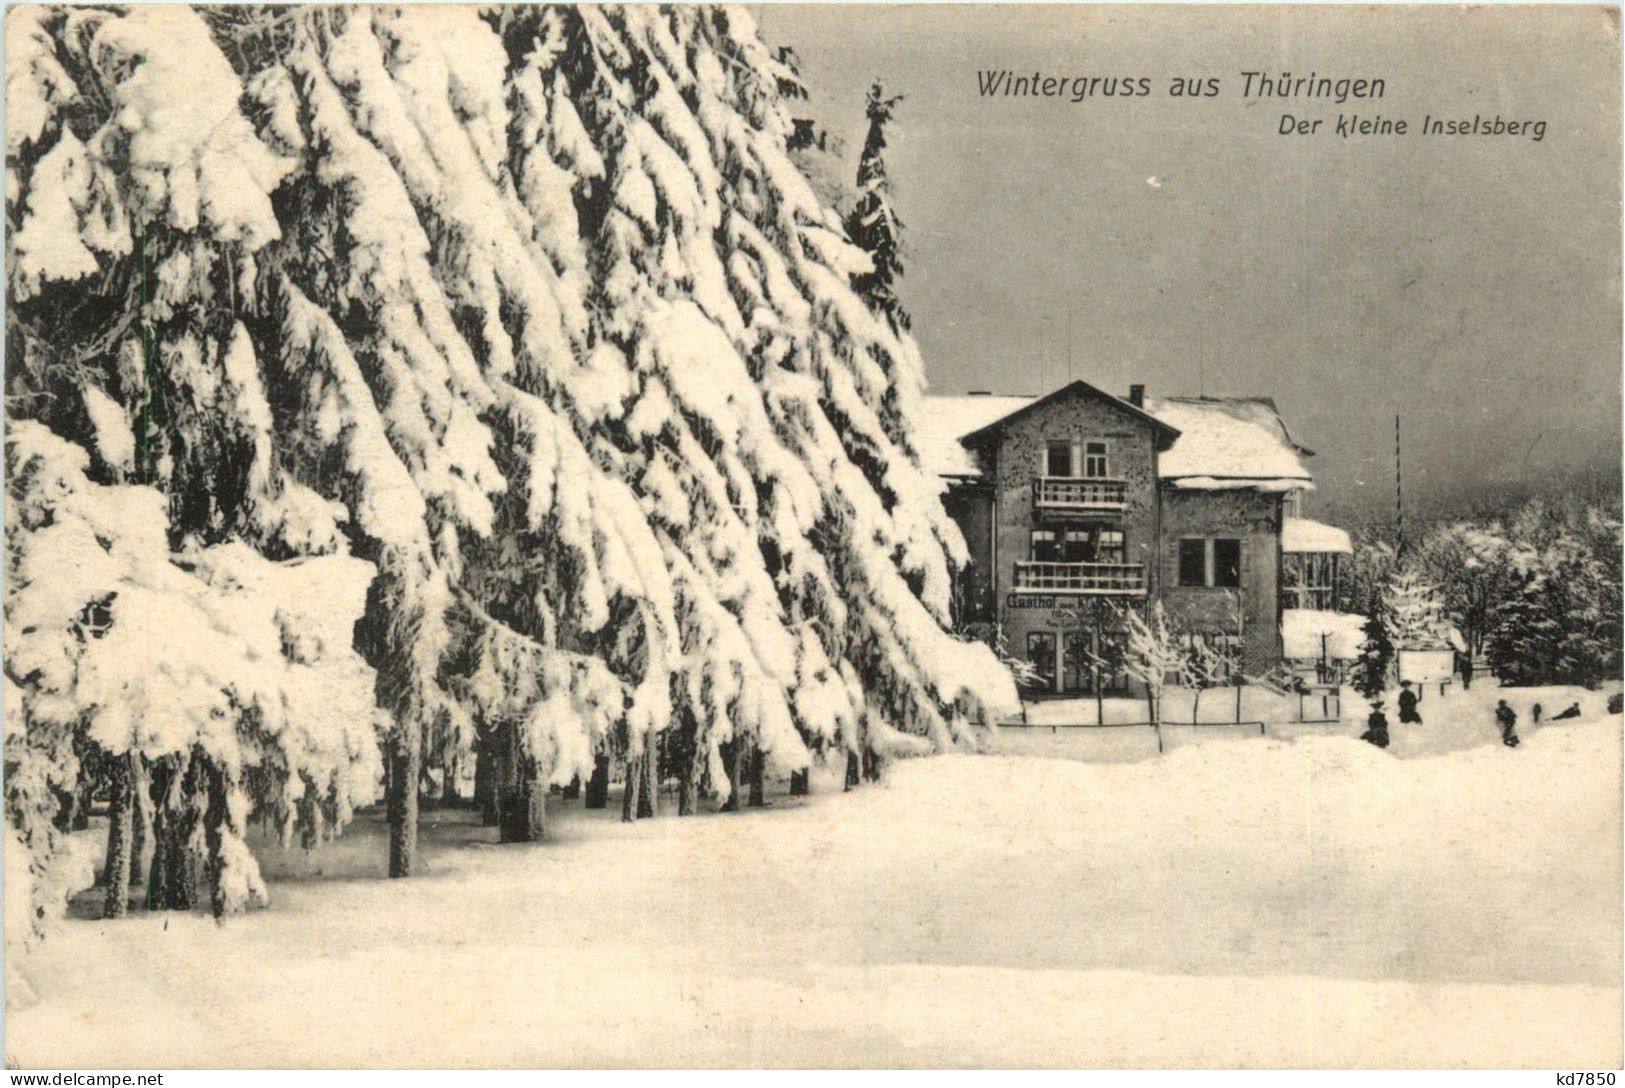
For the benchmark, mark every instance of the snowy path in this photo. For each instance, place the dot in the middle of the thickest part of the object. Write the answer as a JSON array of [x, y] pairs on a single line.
[[1270, 903]]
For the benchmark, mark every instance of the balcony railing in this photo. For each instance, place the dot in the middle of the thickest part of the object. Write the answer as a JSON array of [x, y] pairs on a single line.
[[1103, 579], [1081, 495]]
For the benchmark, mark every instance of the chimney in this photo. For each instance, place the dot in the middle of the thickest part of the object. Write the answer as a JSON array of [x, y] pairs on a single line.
[[1136, 395]]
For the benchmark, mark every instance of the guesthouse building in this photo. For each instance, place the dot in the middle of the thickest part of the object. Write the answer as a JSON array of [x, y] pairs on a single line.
[[1079, 504]]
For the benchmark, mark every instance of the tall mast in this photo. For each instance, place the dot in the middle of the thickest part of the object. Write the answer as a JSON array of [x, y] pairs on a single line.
[[1399, 494]]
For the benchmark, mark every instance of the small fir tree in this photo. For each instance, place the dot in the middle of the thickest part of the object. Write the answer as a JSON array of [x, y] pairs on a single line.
[[1376, 659]]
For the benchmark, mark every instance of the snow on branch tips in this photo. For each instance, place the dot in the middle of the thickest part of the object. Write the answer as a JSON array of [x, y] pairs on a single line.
[[224, 680]]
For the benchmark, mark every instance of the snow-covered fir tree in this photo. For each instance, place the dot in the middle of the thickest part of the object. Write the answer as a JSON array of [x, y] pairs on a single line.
[[872, 222], [196, 688], [1559, 619], [528, 314], [1371, 672], [1472, 564], [1413, 611]]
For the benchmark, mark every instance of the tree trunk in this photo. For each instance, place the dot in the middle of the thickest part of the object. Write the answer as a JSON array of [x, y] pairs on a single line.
[[690, 767], [649, 791], [688, 792], [81, 810], [852, 769], [758, 771], [524, 813], [871, 766], [167, 885], [733, 758], [120, 838], [521, 798], [448, 783], [689, 770], [801, 782], [215, 818], [630, 802], [141, 825], [572, 789], [485, 779], [405, 761], [310, 817], [598, 784]]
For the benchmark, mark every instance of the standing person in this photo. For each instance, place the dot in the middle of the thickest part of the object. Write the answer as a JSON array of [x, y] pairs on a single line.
[[1507, 718], [1466, 661], [1376, 728], [1408, 698]]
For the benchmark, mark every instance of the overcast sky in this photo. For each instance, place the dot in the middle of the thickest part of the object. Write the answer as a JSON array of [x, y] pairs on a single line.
[[1471, 283]]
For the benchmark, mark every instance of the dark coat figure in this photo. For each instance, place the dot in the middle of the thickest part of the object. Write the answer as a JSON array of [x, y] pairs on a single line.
[[1572, 712], [1376, 729], [1466, 663], [1507, 718], [1535, 712], [1616, 703], [1408, 698]]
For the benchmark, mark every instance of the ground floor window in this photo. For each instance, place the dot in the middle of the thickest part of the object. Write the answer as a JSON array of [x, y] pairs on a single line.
[[1224, 654], [1041, 656], [1090, 657], [1074, 662]]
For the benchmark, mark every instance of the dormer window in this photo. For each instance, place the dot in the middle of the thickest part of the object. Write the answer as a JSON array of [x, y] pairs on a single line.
[[1094, 460], [1058, 461], [1070, 459]]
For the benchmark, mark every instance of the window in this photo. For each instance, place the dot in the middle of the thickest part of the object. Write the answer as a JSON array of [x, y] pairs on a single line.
[[1309, 580], [1227, 563], [1111, 548], [1094, 460], [1041, 655], [1193, 562], [1077, 546], [1058, 459], [1210, 562]]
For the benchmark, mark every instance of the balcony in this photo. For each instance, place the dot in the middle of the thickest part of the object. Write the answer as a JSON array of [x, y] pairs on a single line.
[[1096, 579], [1078, 495]]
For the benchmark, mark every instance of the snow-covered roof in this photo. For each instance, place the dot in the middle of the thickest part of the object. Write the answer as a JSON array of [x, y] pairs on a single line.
[[1229, 442], [945, 420], [1223, 443], [1303, 535], [1302, 628]]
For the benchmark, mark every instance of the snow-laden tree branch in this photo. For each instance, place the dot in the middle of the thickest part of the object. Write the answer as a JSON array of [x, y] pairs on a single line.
[[528, 310]]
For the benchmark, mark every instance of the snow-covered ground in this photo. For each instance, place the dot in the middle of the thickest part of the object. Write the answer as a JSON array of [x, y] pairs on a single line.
[[1307, 901]]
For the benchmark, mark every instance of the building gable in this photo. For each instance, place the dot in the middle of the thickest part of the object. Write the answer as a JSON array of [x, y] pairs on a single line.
[[1164, 433]]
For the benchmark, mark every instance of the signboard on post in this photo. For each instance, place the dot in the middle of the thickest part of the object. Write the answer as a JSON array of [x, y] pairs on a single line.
[[1427, 666]]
